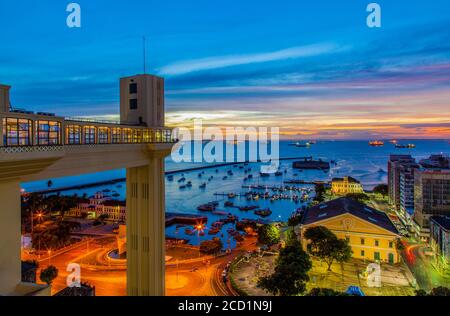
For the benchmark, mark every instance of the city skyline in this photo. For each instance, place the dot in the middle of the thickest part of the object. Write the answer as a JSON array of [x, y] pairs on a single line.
[[315, 70]]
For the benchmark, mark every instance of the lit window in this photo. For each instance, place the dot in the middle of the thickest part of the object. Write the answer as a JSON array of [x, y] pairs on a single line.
[[147, 136], [17, 132], [116, 135], [48, 132], [103, 135], [127, 135], [89, 134], [73, 134], [137, 136]]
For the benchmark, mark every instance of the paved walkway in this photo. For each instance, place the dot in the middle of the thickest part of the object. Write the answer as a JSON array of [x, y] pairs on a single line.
[[395, 279]]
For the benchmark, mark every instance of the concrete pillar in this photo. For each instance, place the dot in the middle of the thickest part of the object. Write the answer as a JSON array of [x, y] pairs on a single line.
[[10, 230], [146, 229]]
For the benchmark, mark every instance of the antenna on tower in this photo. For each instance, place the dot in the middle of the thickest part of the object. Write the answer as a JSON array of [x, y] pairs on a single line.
[[144, 53]]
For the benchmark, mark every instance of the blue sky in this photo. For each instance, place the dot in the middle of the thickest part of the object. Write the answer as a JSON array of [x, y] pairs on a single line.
[[313, 69]]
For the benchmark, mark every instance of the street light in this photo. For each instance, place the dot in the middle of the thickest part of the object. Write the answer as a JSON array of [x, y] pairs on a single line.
[[199, 227]]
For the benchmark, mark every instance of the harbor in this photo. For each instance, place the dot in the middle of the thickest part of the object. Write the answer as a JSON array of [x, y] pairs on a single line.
[[240, 193]]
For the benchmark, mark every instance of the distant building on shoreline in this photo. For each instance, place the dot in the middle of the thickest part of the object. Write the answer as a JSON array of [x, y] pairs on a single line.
[[98, 205], [346, 185]]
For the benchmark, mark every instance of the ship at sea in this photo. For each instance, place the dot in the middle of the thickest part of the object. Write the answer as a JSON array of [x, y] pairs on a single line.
[[376, 143], [300, 145]]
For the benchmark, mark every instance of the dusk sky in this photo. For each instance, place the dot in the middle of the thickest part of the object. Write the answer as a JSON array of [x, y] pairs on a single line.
[[312, 68]]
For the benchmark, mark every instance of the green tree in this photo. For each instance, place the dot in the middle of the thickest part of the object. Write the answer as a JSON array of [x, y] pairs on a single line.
[[295, 220], [51, 235], [268, 234], [291, 237], [438, 291], [61, 204], [381, 189], [102, 218], [358, 197], [49, 274], [326, 246], [210, 247], [320, 193], [399, 245], [291, 272]]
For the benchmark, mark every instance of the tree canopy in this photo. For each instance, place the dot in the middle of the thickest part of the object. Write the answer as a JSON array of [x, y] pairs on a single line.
[[268, 234], [325, 245], [210, 247], [381, 189], [358, 197], [325, 292], [320, 193], [439, 291], [291, 272], [49, 274]]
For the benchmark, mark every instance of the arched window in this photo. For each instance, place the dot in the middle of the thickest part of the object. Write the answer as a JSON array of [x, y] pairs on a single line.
[[17, 132]]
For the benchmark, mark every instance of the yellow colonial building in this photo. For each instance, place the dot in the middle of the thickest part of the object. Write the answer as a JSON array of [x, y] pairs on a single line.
[[370, 232], [346, 185]]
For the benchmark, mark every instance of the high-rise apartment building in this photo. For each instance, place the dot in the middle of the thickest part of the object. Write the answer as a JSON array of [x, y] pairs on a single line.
[[431, 197], [400, 176]]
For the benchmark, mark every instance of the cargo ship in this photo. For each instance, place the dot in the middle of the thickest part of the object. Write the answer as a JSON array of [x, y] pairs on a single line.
[[376, 143]]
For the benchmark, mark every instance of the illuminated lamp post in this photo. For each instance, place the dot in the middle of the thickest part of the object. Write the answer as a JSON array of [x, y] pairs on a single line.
[[199, 228]]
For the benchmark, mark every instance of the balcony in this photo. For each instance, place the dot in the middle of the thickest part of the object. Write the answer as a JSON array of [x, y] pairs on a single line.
[[30, 133]]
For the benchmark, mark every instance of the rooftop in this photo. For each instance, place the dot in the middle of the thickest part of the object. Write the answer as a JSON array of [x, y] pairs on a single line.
[[346, 205]]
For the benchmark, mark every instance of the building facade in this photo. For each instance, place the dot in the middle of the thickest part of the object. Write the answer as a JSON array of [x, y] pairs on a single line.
[[406, 208], [431, 197], [98, 205], [440, 242], [396, 165], [370, 233], [346, 185]]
